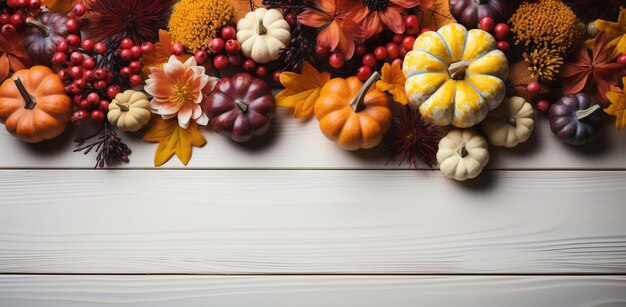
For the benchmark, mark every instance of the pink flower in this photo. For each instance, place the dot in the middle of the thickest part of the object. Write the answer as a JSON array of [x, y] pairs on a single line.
[[178, 89]]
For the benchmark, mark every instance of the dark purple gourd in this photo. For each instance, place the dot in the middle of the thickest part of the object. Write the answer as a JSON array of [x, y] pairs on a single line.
[[44, 33], [576, 119], [470, 12], [240, 107]]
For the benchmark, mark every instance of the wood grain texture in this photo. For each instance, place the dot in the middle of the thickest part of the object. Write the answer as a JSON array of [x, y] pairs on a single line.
[[312, 291], [292, 143], [404, 222]]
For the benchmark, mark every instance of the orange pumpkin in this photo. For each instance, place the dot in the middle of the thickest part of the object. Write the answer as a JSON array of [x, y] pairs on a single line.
[[353, 114], [33, 104]]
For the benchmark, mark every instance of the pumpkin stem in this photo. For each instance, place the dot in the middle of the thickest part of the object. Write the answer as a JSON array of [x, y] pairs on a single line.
[[261, 30], [462, 151], [358, 103], [582, 114], [242, 105], [123, 107], [481, 1], [512, 121], [45, 30], [29, 100], [457, 69]]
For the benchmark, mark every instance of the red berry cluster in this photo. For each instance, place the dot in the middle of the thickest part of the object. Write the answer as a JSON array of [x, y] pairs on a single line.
[[500, 31], [81, 65], [542, 104], [14, 14]]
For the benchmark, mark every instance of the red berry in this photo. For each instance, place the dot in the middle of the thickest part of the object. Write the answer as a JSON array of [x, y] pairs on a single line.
[[23, 3], [110, 79], [228, 33], [126, 55], [113, 90], [403, 52], [76, 58], [100, 48], [369, 60], [103, 106], [89, 76], [234, 60], [63, 47], [64, 75], [79, 9], [622, 59], [80, 84], [101, 73], [249, 65], [336, 60], [232, 46], [504, 46], [360, 49], [93, 98], [486, 24], [135, 67], [34, 5], [291, 19], [87, 45], [97, 116], [16, 20], [216, 45], [77, 99], [220, 61], [201, 56], [125, 73], [322, 50], [135, 80], [84, 104], [408, 42], [397, 38], [411, 24], [147, 47], [380, 53], [80, 117], [363, 73], [136, 51], [126, 43], [89, 63], [73, 40], [5, 18], [533, 88], [59, 58], [501, 31], [392, 51], [543, 105], [399, 61], [424, 30], [72, 25], [261, 71], [276, 75], [76, 72], [8, 30], [178, 49]]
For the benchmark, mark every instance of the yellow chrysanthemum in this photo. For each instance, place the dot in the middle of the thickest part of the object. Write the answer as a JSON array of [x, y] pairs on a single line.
[[195, 22]]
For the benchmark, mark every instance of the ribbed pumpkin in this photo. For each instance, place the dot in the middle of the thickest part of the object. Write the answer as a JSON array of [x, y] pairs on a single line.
[[455, 76], [33, 104], [353, 114]]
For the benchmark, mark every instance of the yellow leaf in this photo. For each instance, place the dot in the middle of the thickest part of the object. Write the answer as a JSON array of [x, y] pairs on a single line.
[[301, 90], [617, 107], [615, 33], [436, 16], [173, 139], [392, 81]]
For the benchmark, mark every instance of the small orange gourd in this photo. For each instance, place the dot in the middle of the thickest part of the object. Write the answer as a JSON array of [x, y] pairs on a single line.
[[353, 114], [33, 104]]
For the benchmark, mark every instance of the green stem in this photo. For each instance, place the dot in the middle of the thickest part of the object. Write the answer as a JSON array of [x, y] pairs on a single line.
[[462, 151], [481, 1], [582, 114], [358, 103], [29, 100], [261, 30], [45, 30], [457, 69], [242, 105]]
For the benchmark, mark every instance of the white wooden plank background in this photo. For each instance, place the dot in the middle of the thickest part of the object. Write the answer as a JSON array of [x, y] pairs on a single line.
[[312, 291], [299, 205]]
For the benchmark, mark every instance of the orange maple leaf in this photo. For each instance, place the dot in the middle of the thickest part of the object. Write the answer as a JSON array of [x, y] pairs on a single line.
[[173, 139], [617, 107], [392, 81], [13, 55], [301, 90]]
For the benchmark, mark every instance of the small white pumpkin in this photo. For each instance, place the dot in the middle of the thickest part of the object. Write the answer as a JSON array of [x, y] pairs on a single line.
[[129, 111], [462, 154], [509, 124], [262, 34]]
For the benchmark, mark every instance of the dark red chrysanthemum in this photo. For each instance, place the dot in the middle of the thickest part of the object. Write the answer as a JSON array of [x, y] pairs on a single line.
[[139, 20], [411, 138]]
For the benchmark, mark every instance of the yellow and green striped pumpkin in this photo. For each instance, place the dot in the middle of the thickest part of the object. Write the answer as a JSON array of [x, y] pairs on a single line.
[[455, 76]]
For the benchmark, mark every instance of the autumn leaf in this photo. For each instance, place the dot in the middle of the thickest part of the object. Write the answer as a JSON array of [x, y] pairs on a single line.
[[13, 55], [615, 33], [595, 73], [437, 16], [160, 54], [173, 139], [392, 81], [301, 90], [242, 7], [617, 107]]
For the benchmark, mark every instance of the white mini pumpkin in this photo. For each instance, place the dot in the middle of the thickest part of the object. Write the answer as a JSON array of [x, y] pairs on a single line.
[[262, 34], [129, 111], [509, 124], [462, 154]]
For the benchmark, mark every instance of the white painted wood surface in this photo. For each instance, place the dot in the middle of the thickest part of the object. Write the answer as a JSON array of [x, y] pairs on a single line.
[[294, 144], [300, 205], [312, 291]]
